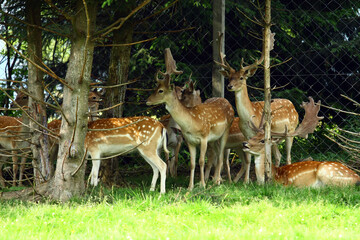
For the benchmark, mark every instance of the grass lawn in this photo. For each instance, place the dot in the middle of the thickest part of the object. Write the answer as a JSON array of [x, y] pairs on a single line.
[[229, 211]]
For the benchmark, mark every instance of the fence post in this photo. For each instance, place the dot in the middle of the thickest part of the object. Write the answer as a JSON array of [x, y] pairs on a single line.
[[218, 26]]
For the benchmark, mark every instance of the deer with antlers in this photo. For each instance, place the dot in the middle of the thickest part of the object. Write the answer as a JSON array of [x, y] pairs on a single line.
[[306, 173], [284, 114], [201, 125]]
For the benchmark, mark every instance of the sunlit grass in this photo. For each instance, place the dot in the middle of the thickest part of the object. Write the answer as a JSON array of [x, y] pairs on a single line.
[[219, 212]]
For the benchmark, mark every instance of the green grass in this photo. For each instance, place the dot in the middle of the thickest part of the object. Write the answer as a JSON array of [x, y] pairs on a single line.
[[221, 212]]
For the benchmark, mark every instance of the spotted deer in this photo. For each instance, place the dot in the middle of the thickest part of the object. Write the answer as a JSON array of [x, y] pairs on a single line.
[[284, 114], [107, 137], [11, 128], [256, 146], [201, 125], [189, 98]]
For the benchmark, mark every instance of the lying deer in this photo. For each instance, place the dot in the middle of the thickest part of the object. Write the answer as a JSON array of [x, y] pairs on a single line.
[[201, 125], [306, 173]]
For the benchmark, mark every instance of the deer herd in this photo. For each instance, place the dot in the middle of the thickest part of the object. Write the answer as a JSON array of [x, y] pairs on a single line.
[[210, 126]]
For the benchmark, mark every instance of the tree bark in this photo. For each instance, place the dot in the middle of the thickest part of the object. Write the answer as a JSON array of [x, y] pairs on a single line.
[[218, 26], [70, 170], [39, 140], [267, 90]]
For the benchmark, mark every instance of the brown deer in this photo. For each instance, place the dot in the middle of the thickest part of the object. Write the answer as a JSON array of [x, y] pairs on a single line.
[[202, 124], [256, 146], [284, 114], [112, 136], [189, 98], [12, 139], [11, 128]]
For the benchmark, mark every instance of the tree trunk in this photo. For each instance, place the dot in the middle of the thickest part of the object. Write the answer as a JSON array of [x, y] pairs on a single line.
[[118, 74], [39, 141], [218, 26], [267, 90], [70, 170]]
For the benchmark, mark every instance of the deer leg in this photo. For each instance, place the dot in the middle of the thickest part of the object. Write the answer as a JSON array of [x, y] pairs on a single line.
[[203, 147], [94, 175], [275, 151], [223, 140], [22, 170], [210, 162], [260, 168], [158, 165], [15, 167], [177, 150], [245, 167], [170, 161], [227, 164], [288, 143], [192, 150], [2, 180]]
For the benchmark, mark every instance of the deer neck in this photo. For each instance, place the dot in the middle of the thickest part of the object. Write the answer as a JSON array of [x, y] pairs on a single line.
[[178, 111], [245, 111]]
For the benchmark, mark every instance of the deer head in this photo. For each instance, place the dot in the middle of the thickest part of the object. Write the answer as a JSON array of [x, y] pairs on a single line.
[[164, 89], [190, 96], [237, 79]]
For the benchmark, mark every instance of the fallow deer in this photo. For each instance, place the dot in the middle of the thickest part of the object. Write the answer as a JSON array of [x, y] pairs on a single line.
[[112, 136], [202, 124], [284, 114], [11, 128], [256, 145], [189, 98], [12, 139]]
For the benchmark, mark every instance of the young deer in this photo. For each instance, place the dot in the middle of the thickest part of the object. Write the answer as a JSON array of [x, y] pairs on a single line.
[[111, 136], [189, 98], [284, 113], [205, 123], [308, 173]]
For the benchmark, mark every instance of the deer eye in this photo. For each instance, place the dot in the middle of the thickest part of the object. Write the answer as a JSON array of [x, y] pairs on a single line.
[[160, 91], [262, 141]]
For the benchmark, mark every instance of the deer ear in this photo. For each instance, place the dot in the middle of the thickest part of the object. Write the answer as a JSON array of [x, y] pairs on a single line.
[[251, 72], [191, 86], [224, 73]]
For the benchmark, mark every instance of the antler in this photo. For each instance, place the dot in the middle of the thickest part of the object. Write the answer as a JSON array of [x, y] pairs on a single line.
[[308, 124], [170, 63], [311, 119], [224, 64], [261, 59]]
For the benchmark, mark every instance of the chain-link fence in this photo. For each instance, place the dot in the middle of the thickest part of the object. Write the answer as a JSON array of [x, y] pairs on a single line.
[[316, 54]]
